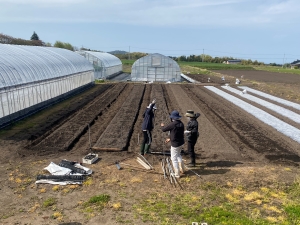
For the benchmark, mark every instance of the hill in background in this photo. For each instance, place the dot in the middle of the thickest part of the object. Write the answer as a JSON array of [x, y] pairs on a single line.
[[118, 52]]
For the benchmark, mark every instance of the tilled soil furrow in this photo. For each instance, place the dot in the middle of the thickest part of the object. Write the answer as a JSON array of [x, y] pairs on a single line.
[[242, 130], [137, 134], [54, 121], [65, 136], [211, 144], [161, 116], [89, 138], [117, 135]]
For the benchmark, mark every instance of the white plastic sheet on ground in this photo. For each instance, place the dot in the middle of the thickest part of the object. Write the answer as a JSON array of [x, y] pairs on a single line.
[[55, 169], [265, 117], [189, 79], [271, 97], [278, 109]]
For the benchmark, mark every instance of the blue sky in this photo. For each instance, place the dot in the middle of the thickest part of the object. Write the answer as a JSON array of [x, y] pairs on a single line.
[[263, 30]]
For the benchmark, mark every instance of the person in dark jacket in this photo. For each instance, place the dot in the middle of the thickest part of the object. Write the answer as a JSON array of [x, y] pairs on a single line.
[[176, 128], [147, 127], [192, 134]]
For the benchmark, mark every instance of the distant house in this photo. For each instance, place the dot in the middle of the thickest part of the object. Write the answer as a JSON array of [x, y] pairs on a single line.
[[295, 64], [234, 61]]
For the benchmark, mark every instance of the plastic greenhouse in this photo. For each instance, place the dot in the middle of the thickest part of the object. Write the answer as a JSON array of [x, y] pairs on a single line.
[[106, 65], [155, 67], [33, 77]]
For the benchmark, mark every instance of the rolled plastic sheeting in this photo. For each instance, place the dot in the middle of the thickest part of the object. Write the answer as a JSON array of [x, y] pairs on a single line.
[[61, 177]]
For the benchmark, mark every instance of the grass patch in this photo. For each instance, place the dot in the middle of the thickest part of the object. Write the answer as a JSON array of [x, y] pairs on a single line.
[[99, 199], [95, 203], [293, 213], [99, 81], [88, 182], [49, 202], [229, 204]]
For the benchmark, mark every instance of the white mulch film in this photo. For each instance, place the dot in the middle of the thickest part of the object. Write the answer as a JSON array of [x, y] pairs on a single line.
[[280, 110], [276, 99], [189, 79], [265, 117]]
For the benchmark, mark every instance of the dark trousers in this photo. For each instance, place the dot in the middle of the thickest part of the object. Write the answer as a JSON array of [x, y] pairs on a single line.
[[147, 137], [191, 150]]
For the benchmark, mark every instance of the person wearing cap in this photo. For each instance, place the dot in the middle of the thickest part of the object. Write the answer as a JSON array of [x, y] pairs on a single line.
[[147, 127], [176, 128], [192, 134]]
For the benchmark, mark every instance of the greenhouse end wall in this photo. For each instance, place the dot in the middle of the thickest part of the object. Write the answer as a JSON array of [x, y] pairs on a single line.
[[155, 67]]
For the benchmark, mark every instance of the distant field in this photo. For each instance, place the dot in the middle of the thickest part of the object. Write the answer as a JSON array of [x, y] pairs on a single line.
[[278, 69], [194, 66], [216, 66], [128, 62]]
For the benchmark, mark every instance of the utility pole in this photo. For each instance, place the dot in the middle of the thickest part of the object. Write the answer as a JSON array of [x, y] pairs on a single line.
[[129, 53], [283, 60], [203, 56]]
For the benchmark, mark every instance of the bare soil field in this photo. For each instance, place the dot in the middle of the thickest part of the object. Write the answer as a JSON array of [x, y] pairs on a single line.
[[282, 85], [234, 150]]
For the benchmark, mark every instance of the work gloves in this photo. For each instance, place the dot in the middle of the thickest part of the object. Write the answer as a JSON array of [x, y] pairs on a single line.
[[187, 132], [154, 100]]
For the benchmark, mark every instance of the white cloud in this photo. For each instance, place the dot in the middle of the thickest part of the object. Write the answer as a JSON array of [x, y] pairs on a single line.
[[283, 7], [152, 13]]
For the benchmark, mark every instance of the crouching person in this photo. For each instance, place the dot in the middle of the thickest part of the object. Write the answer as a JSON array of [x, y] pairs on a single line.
[[176, 128]]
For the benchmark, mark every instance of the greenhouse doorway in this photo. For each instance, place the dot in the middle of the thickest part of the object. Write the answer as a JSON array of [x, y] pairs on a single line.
[[155, 74]]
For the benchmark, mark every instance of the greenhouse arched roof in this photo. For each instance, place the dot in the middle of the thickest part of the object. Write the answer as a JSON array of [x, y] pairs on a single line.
[[107, 59], [25, 64]]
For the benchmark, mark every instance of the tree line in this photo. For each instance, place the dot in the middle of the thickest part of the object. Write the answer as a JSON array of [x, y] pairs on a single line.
[[210, 59], [35, 41]]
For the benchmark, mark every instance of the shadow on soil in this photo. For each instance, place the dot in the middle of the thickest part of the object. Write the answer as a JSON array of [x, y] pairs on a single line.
[[70, 223], [201, 171], [293, 158], [222, 164]]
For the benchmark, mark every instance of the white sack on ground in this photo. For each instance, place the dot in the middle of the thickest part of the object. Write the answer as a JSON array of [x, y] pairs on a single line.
[[58, 170]]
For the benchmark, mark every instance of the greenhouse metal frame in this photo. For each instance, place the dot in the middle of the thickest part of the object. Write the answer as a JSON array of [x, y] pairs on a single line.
[[32, 78], [106, 65], [155, 67]]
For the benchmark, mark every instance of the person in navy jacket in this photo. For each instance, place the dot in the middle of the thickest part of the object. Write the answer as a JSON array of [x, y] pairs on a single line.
[[147, 127]]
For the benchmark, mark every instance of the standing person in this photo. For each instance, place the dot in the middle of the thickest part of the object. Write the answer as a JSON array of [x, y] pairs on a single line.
[[176, 128], [147, 127], [192, 134]]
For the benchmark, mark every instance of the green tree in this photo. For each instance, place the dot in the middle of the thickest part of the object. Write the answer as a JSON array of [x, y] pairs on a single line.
[[35, 37], [59, 44], [69, 46]]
